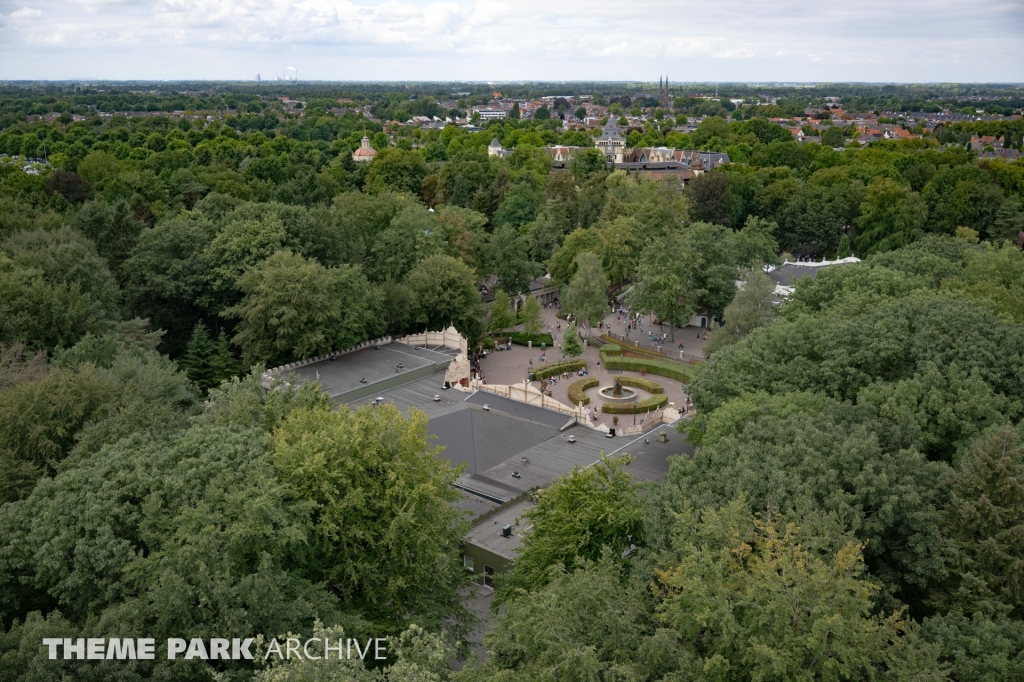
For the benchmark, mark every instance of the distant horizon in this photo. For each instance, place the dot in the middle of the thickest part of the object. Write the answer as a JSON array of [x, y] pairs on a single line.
[[513, 81]]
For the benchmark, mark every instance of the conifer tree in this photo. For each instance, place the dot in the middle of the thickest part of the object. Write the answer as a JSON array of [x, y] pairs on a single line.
[[223, 364], [198, 357], [571, 345], [844, 247]]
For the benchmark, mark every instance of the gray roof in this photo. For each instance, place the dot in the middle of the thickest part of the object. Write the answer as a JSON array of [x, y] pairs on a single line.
[[487, 534], [790, 272], [494, 443], [343, 373], [611, 130], [481, 439]]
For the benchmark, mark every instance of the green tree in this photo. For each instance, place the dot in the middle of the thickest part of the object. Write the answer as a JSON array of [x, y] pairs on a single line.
[[518, 207], [1008, 221], [843, 251], [64, 257], [530, 316], [412, 236], [748, 601], [44, 314], [585, 624], [587, 163], [577, 518], [571, 345], [198, 359], [542, 114], [293, 309], [586, 295], [510, 254], [502, 317], [985, 520], [563, 264], [750, 309], [240, 245], [399, 170], [113, 228], [445, 293], [833, 137], [223, 363], [891, 216], [381, 496], [514, 113], [811, 222], [167, 275], [962, 196], [667, 280], [619, 245]]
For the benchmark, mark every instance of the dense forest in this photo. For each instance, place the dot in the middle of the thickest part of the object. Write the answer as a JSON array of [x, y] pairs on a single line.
[[855, 506]]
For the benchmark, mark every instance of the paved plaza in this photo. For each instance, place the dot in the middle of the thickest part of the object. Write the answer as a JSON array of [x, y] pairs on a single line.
[[513, 366]]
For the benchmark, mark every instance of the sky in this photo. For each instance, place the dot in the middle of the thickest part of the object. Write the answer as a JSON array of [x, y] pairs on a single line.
[[480, 40]]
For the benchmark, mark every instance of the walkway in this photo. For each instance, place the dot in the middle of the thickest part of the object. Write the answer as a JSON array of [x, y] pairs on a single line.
[[513, 366]]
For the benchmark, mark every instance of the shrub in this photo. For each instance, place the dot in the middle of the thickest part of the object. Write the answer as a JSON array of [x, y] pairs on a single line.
[[522, 339], [648, 405], [664, 368], [558, 367], [577, 388], [644, 384], [611, 349]]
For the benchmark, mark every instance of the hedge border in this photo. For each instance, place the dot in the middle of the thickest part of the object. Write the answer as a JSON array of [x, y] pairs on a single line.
[[551, 370], [577, 388], [651, 387], [521, 338], [658, 367], [647, 405]]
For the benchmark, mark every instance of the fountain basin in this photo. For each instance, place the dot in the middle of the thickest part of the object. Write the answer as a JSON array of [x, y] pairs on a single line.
[[626, 395]]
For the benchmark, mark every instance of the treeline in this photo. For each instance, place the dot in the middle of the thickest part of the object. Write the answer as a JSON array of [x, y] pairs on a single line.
[[883, 196]]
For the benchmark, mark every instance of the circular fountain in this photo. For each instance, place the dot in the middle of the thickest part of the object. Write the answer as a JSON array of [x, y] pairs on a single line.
[[617, 393]]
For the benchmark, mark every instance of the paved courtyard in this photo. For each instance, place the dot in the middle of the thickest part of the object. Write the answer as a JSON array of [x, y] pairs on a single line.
[[513, 366]]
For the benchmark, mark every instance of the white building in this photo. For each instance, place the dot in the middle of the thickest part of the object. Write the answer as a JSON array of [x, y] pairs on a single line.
[[491, 114]]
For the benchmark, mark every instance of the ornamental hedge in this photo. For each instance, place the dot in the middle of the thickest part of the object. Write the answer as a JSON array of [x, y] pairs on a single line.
[[641, 383], [523, 339], [648, 405], [665, 368], [551, 370], [577, 388]]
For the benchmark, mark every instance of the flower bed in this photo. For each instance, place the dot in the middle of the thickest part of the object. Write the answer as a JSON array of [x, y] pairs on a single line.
[[545, 371], [655, 402], [577, 388]]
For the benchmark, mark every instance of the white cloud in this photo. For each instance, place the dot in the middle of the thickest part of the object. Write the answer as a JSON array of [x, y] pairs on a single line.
[[870, 40], [26, 13]]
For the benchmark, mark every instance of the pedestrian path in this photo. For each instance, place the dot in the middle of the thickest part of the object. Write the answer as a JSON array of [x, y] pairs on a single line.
[[513, 366]]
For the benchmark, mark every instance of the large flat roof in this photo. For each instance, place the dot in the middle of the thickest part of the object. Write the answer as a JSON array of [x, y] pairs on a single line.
[[487, 534], [342, 374], [515, 437]]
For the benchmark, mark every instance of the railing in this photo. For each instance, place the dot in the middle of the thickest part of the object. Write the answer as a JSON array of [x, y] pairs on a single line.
[[525, 393]]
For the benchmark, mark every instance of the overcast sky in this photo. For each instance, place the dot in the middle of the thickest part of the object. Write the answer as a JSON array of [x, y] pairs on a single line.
[[705, 40]]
